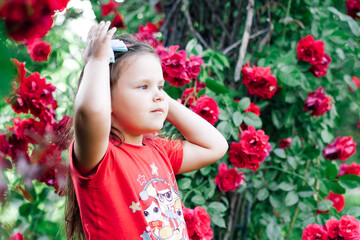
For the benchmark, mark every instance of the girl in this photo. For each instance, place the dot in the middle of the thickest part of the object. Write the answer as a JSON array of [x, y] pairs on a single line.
[[112, 176]]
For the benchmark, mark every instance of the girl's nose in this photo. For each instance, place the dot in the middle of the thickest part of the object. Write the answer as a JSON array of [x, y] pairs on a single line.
[[158, 96]]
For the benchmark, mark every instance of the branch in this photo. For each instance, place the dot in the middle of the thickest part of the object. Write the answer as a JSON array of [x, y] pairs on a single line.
[[222, 25], [234, 199], [191, 27], [237, 43], [169, 15], [245, 39], [271, 29]]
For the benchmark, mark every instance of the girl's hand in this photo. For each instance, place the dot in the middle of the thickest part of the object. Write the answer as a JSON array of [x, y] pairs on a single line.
[[98, 42]]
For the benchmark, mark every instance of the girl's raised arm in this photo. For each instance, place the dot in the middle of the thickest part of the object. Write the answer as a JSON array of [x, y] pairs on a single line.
[[204, 144], [92, 107]]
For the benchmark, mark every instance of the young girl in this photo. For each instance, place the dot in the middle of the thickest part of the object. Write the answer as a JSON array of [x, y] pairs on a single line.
[[114, 177]]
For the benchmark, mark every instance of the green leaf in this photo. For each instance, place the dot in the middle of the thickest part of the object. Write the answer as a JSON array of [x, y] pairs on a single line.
[[210, 191], [275, 116], [25, 209], [224, 128], [331, 171], [262, 194], [273, 230], [336, 188], [47, 227], [353, 211], [325, 205], [215, 86], [280, 153], [349, 181], [218, 221], [173, 92], [275, 201], [291, 198], [289, 75], [184, 183], [251, 119], [205, 170], [289, 117], [244, 103], [222, 58], [326, 136], [237, 118], [286, 186], [190, 45], [198, 200], [217, 207]]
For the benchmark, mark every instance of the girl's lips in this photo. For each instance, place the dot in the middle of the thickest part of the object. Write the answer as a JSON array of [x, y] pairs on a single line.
[[158, 110]]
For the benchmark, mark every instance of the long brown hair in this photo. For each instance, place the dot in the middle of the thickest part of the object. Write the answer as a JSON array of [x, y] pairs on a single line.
[[73, 224]]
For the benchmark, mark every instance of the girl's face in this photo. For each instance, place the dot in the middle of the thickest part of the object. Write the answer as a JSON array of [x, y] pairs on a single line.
[[137, 98]]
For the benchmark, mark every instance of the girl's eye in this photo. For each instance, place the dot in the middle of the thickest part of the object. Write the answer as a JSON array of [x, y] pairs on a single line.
[[143, 87], [161, 87]]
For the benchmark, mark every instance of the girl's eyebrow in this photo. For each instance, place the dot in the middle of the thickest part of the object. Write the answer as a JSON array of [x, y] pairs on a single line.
[[145, 80]]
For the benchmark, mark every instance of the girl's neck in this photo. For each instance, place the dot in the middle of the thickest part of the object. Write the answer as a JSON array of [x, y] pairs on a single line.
[[134, 140]]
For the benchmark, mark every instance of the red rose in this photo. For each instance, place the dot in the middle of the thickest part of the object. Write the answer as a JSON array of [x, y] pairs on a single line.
[[338, 200], [349, 228], [207, 108], [39, 50], [332, 227], [189, 96], [174, 65], [34, 95], [319, 69], [314, 232], [310, 50], [318, 103], [353, 8], [147, 34], [255, 142], [202, 224], [356, 81], [254, 109], [194, 66], [285, 143], [197, 223], [14, 11], [241, 160], [259, 81], [17, 236], [228, 179], [346, 169], [118, 21], [341, 148], [107, 8], [189, 219], [26, 20], [56, 5]]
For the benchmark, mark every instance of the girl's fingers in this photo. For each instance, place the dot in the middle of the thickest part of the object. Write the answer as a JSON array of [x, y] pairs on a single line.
[[104, 30], [110, 33]]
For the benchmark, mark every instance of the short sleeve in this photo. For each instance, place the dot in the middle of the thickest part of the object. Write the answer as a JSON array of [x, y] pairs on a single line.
[[174, 150], [98, 174]]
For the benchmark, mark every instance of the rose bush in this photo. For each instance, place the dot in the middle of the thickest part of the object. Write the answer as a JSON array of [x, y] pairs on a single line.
[[295, 60]]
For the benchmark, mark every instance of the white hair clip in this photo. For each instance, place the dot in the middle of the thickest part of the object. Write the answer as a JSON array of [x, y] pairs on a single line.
[[118, 46]]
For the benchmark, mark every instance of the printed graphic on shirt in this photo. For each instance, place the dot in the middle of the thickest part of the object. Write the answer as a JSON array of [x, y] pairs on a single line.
[[160, 202]]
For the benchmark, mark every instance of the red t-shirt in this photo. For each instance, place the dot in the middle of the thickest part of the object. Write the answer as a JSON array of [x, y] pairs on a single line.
[[133, 192]]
